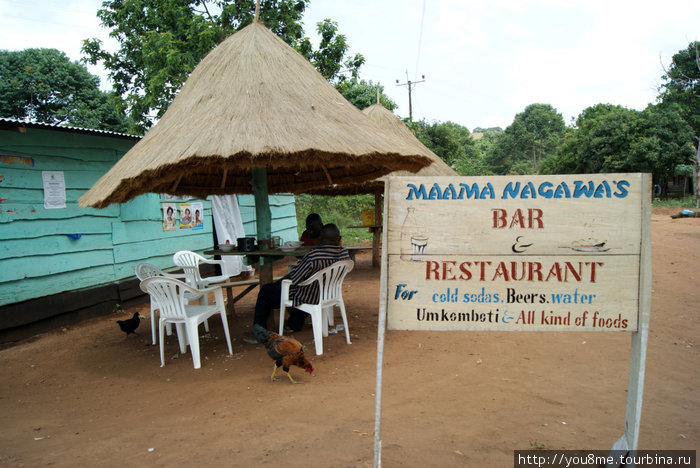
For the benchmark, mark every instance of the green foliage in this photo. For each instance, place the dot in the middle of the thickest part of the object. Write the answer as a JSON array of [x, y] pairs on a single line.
[[683, 170], [45, 86], [364, 94], [616, 139], [532, 138], [488, 130], [344, 211], [475, 165], [330, 59], [161, 42], [664, 143], [685, 202], [602, 133], [682, 84], [484, 146], [452, 142]]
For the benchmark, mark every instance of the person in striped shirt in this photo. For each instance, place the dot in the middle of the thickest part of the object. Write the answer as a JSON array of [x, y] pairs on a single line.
[[325, 254]]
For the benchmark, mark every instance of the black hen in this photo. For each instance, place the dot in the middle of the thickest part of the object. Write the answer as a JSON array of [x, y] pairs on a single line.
[[284, 350], [130, 325]]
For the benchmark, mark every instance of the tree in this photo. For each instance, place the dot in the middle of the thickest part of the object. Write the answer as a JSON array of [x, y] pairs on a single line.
[[487, 130], [329, 58], [452, 142], [665, 142], [682, 84], [364, 94], [534, 136], [602, 133], [484, 146], [161, 42], [44, 85], [612, 138], [682, 87]]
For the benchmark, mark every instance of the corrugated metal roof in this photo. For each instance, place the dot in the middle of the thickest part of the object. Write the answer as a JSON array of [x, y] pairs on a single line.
[[7, 122]]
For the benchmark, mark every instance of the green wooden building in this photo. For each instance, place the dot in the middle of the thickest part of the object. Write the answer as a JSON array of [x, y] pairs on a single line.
[[61, 263]]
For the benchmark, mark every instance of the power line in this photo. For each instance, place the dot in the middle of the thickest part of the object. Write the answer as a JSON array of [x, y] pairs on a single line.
[[409, 84], [420, 36]]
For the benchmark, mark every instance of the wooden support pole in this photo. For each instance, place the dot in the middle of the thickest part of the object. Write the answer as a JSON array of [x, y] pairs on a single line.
[[377, 231], [638, 350], [328, 175], [223, 179], [263, 218], [381, 330], [177, 182]]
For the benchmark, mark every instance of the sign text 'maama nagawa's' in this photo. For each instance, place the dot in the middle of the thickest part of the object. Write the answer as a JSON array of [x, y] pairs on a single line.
[[520, 190]]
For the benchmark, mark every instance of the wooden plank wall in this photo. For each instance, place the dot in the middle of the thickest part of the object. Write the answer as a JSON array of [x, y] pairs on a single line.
[[39, 261], [284, 217], [37, 257], [138, 236]]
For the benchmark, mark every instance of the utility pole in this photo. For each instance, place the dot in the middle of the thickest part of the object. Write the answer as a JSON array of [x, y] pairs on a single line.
[[410, 83]]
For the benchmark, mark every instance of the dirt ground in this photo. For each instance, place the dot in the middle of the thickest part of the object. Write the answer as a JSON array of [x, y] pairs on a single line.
[[86, 396]]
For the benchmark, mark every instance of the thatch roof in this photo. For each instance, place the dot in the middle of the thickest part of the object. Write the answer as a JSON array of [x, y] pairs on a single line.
[[386, 120], [254, 102]]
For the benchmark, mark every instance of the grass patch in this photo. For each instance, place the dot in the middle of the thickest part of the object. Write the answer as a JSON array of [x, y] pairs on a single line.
[[343, 211], [688, 201]]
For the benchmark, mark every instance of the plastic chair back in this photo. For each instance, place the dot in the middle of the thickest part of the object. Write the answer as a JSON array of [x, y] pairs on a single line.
[[169, 293], [330, 281], [147, 270], [330, 284], [189, 262]]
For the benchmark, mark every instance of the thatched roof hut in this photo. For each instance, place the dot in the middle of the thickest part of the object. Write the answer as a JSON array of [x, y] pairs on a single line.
[[254, 102], [386, 120]]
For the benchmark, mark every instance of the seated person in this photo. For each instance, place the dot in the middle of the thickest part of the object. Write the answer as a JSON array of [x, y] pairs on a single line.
[[327, 253], [313, 230]]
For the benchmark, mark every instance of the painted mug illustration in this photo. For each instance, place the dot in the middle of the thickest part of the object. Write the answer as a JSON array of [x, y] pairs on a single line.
[[414, 240]]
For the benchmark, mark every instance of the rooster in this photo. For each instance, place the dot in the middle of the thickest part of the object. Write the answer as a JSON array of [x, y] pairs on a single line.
[[130, 325], [284, 350]]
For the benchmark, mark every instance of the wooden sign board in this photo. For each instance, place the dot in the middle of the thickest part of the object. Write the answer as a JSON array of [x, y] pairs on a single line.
[[514, 253]]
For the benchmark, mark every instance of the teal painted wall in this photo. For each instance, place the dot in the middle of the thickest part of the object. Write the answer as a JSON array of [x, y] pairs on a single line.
[[284, 216], [38, 259]]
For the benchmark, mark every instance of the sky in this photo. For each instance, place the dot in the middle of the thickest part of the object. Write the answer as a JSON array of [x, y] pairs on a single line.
[[483, 61]]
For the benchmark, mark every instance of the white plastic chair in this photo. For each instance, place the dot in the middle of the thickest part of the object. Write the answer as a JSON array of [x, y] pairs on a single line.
[[147, 270], [330, 283], [169, 294], [190, 261]]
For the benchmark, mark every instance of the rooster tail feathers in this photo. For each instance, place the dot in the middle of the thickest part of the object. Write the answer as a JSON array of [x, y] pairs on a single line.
[[260, 333]]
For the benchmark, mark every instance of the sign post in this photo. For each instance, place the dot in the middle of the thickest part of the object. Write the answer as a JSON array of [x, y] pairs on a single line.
[[520, 253]]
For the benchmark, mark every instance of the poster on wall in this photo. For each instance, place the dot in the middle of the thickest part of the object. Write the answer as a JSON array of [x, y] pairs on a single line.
[[169, 219], [54, 189], [185, 215], [197, 216], [514, 253]]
